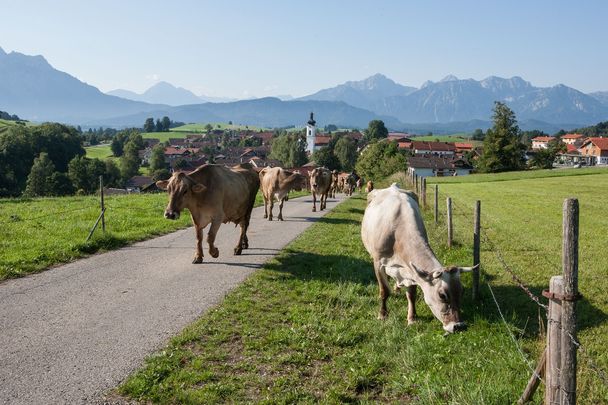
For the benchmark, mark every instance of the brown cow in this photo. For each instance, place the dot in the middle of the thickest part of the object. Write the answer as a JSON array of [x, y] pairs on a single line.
[[334, 184], [369, 187], [360, 183], [320, 182], [214, 195], [276, 183], [394, 235], [350, 184]]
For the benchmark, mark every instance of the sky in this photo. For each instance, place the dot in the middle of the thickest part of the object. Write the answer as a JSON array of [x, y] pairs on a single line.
[[259, 48]]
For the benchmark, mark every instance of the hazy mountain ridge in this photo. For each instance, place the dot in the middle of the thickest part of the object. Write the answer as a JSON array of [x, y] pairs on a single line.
[[166, 93], [34, 90], [455, 100]]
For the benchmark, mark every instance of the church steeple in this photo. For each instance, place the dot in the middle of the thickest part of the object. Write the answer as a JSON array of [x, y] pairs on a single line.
[[311, 121], [311, 134]]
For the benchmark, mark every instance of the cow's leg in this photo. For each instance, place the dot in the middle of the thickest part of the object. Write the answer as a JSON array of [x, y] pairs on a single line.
[[323, 201], [280, 217], [385, 290], [215, 225], [411, 304], [270, 207], [243, 240], [314, 202], [198, 256], [265, 206]]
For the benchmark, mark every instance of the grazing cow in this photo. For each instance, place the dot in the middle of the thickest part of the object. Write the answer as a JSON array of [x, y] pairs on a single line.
[[350, 184], [334, 184], [369, 187], [320, 182], [393, 233], [214, 195], [276, 183]]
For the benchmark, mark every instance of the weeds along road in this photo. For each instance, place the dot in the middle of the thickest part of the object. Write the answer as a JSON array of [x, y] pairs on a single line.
[[73, 332]]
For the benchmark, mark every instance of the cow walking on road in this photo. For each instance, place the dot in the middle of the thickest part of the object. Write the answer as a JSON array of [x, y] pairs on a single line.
[[320, 182], [214, 195], [394, 235], [276, 184]]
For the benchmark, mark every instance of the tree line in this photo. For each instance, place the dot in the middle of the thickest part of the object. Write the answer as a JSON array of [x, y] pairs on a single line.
[[49, 160], [161, 124]]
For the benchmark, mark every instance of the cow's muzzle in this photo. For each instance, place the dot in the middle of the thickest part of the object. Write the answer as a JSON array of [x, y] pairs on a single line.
[[171, 215], [455, 327]]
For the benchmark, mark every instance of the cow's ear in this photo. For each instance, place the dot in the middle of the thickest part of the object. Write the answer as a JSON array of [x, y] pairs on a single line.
[[162, 184], [198, 188]]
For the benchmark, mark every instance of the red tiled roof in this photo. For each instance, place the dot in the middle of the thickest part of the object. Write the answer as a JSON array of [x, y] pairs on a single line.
[[461, 145], [571, 148], [572, 136], [322, 140], [601, 143], [542, 139], [170, 150], [433, 146]]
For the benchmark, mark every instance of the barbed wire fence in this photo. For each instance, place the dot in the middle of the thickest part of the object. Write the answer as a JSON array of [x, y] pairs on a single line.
[[568, 395]]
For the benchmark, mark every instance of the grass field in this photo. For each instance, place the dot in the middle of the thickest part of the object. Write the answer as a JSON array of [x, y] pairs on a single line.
[[200, 127], [460, 137], [46, 231], [99, 151], [304, 328]]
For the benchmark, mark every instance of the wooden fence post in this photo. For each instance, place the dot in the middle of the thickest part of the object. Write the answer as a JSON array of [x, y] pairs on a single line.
[[476, 249], [423, 192], [416, 185], [570, 266], [554, 343], [436, 204], [103, 217], [449, 203]]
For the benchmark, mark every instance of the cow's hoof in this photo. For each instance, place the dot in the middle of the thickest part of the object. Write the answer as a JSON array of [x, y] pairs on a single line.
[[314, 210], [197, 260], [238, 251], [270, 218], [280, 218], [382, 316], [245, 245], [215, 252], [265, 216], [411, 322]]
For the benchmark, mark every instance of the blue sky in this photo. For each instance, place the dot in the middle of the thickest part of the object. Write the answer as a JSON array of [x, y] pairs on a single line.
[[260, 48]]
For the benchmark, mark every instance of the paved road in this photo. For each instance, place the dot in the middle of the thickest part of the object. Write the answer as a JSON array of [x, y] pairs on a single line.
[[71, 333]]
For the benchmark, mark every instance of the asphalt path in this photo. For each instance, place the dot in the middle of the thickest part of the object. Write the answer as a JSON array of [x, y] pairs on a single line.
[[71, 333]]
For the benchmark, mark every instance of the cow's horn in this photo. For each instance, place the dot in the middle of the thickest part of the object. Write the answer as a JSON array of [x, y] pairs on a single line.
[[467, 269]]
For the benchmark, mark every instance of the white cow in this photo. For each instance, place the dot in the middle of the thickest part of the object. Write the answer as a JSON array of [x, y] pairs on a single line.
[[394, 235]]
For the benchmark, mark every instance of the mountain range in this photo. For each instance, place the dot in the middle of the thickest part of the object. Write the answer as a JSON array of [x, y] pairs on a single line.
[[33, 89], [166, 93]]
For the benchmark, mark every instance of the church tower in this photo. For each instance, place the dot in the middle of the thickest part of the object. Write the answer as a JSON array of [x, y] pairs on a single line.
[[311, 133]]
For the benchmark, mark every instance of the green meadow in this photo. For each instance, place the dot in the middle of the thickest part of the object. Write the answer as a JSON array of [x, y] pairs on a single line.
[[304, 328]]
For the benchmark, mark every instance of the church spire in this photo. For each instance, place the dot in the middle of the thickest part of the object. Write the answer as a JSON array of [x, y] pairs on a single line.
[[311, 121]]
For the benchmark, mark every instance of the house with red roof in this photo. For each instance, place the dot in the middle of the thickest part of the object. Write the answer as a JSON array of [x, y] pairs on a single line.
[[443, 149], [573, 139], [541, 142], [596, 148]]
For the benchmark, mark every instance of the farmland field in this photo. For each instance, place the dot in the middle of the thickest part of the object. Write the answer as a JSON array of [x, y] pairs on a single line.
[[216, 125], [304, 328], [102, 152], [43, 232]]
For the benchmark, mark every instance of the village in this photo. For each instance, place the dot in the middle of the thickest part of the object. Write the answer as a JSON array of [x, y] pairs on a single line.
[[424, 158]]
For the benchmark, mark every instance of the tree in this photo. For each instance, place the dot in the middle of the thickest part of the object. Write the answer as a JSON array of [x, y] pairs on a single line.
[[39, 181], [502, 149], [375, 130], [290, 149], [111, 177], [157, 159], [544, 158], [84, 173], [345, 151], [130, 162], [149, 125], [166, 123], [208, 128], [330, 128], [380, 159], [325, 157], [478, 135]]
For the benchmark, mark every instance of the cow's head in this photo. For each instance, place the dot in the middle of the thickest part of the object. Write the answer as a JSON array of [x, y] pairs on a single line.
[[316, 178], [442, 293], [181, 188]]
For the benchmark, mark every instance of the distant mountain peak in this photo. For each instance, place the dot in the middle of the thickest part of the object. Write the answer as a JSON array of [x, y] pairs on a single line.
[[2, 53], [449, 78]]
